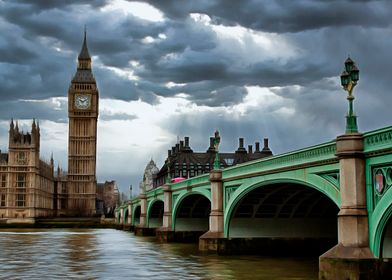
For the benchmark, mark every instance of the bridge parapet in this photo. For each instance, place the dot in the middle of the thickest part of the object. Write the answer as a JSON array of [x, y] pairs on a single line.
[[312, 156], [378, 140], [198, 181]]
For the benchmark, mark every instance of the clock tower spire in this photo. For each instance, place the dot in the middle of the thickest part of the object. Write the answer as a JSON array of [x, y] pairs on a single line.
[[83, 102]]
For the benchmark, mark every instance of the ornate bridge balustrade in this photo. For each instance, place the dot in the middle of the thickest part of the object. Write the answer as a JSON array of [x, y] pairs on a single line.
[[335, 195]]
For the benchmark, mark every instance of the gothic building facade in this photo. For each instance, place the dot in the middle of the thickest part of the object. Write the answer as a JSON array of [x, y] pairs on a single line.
[[26, 181], [29, 186], [183, 162]]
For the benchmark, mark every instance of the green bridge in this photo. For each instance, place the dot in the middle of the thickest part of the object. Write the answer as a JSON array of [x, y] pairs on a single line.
[[333, 199]]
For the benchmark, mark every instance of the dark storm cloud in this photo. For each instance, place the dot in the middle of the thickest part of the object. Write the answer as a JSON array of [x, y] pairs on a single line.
[[26, 109], [40, 42], [284, 15], [40, 5]]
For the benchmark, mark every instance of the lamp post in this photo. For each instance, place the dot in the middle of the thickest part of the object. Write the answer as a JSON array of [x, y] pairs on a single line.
[[216, 146], [349, 79], [168, 178], [130, 191]]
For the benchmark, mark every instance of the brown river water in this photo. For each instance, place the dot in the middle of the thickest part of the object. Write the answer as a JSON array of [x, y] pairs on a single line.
[[114, 254]]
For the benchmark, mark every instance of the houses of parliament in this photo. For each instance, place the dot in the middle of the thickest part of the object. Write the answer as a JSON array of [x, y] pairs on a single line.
[[32, 188]]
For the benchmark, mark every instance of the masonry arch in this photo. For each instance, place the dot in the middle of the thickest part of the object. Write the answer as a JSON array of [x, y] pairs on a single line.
[[155, 213], [125, 219], [191, 213], [381, 233], [136, 215], [118, 217], [283, 216]]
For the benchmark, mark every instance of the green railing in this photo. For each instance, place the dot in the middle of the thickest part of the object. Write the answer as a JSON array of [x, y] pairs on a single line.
[[309, 155], [379, 139]]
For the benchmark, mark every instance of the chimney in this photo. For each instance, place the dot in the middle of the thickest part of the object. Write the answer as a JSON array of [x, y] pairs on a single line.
[[257, 147], [173, 150], [177, 148], [250, 149], [265, 144], [241, 148], [241, 142], [266, 150], [181, 145], [211, 147], [186, 142]]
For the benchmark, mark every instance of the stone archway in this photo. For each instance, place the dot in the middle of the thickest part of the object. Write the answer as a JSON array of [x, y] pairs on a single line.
[[155, 214], [283, 219]]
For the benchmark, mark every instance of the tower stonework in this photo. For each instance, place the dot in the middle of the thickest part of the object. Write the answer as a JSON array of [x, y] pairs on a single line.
[[82, 138]]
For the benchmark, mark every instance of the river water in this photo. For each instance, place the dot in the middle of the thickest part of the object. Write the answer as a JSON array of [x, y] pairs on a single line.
[[114, 254]]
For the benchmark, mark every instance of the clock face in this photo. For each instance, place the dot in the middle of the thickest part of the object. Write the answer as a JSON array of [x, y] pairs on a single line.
[[82, 101]]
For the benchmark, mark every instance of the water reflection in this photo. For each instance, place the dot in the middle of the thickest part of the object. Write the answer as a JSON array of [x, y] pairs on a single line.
[[111, 254]]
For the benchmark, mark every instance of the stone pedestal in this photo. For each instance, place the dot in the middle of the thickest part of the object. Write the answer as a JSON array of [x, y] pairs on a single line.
[[349, 263], [213, 241], [144, 231], [164, 235], [351, 258]]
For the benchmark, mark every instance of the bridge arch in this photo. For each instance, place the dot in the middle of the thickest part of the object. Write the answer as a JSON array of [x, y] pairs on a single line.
[[118, 217], [263, 210], [136, 215], [125, 219], [381, 231], [155, 213], [191, 213]]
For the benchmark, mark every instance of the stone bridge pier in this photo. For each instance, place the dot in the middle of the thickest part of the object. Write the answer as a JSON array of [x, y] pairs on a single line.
[[165, 233], [214, 240], [351, 258], [141, 229]]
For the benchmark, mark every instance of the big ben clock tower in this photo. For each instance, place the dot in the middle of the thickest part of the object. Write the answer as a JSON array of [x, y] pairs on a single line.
[[82, 140]]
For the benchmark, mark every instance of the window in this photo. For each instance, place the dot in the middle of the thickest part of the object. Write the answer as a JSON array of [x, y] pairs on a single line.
[[199, 169], [21, 158], [3, 180], [20, 200], [21, 181], [229, 161], [192, 170], [184, 170], [176, 170], [2, 200]]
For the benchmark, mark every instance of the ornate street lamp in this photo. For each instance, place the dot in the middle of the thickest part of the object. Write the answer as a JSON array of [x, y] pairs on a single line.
[[349, 79], [130, 191], [216, 146]]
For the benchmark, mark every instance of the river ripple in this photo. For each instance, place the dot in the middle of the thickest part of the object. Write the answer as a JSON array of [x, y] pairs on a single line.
[[113, 254]]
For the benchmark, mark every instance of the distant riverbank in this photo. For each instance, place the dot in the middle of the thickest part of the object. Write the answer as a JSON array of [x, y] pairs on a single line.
[[74, 222]]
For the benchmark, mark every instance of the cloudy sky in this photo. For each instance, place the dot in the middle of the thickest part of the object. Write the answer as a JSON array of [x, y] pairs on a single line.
[[169, 69]]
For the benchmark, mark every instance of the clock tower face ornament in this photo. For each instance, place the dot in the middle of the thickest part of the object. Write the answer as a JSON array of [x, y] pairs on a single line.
[[82, 101]]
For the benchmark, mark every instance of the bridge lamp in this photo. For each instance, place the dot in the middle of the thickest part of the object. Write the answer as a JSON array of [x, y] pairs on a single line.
[[217, 140], [349, 79]]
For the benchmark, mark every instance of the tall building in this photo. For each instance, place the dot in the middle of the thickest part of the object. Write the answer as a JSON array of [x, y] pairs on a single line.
[[26, 181], [29, 187], [82, 138]]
